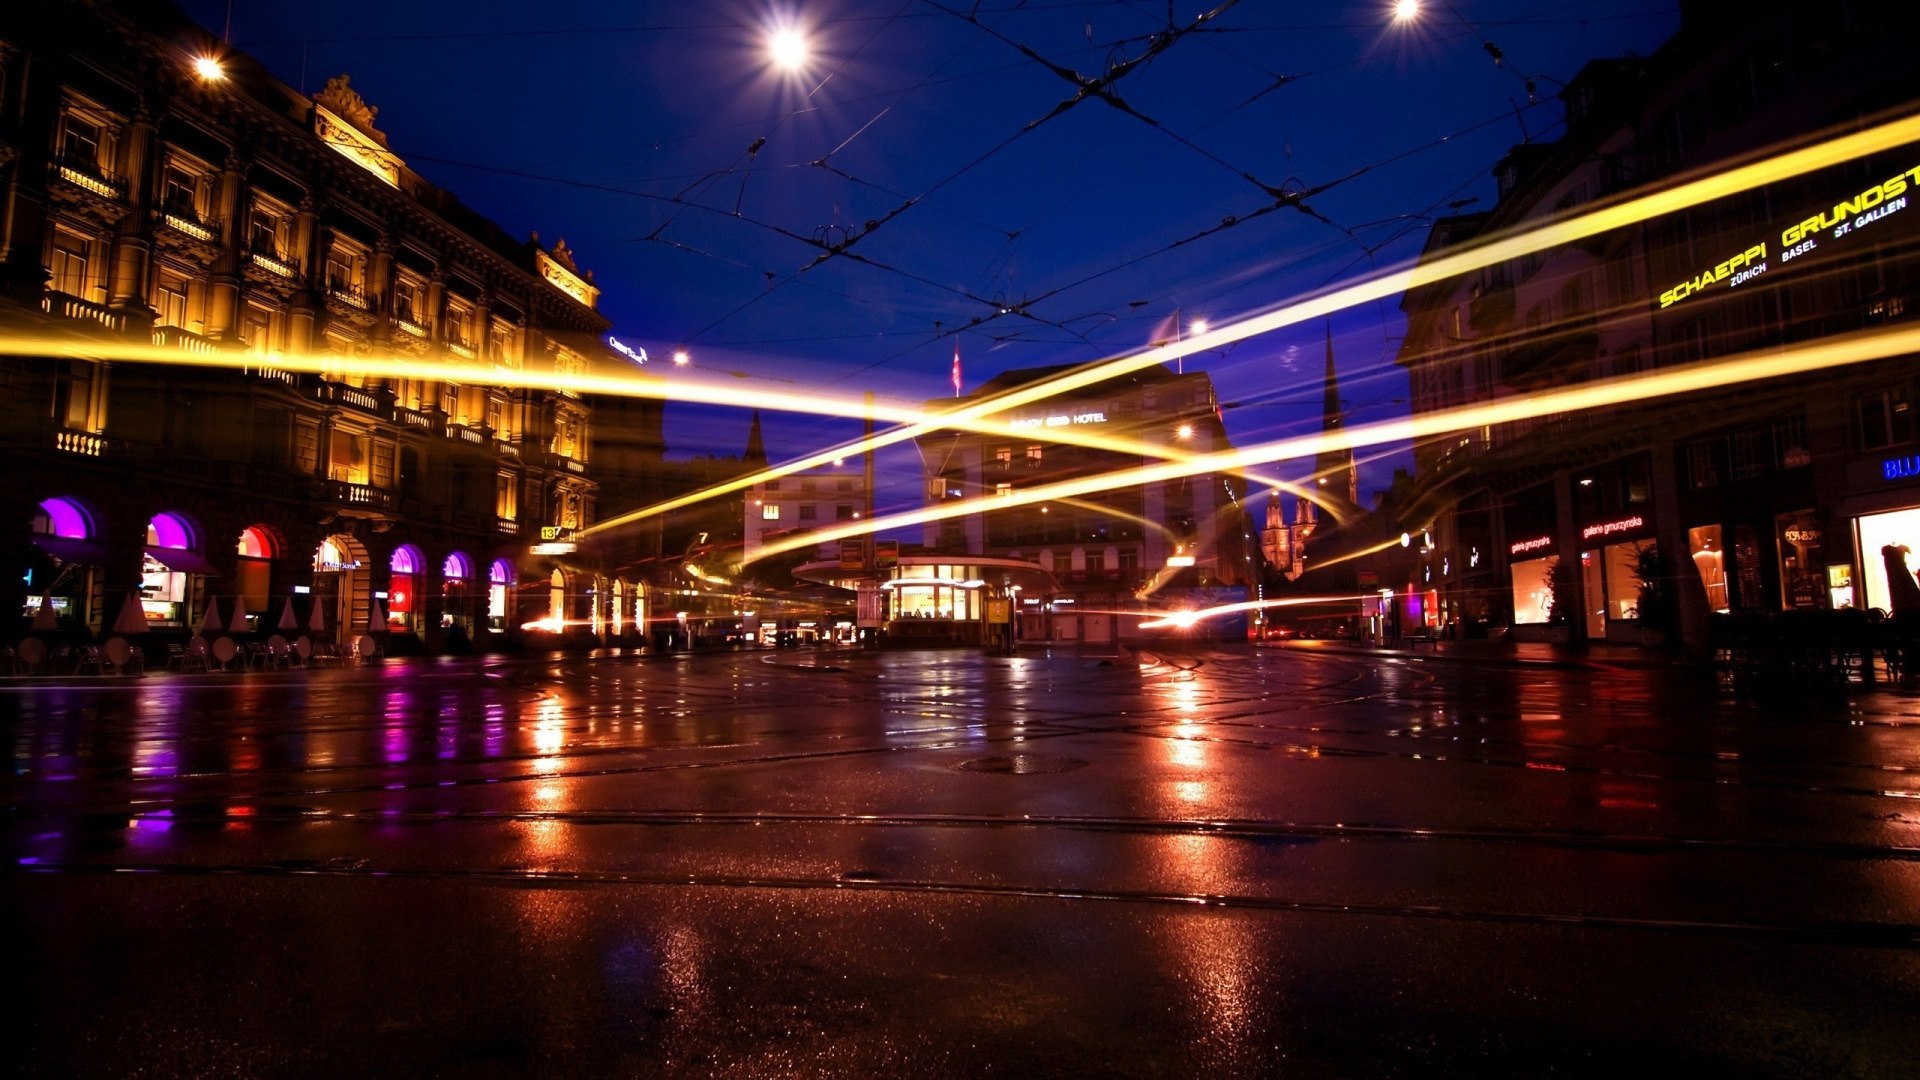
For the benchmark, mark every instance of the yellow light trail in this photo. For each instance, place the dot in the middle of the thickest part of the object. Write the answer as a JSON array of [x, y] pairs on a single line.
[[1751, 367], [1189, 618], [1486, 252], [635, 384]]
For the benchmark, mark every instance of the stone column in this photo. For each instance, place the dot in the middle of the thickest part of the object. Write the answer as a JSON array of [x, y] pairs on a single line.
[[380, 288], [223, 310], [1689, 591], [132, 241], [301, 328], [1573, 582], [437, 307]]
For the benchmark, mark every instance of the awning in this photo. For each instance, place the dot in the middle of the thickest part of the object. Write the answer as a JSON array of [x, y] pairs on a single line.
[[182, 561], [69, 549]]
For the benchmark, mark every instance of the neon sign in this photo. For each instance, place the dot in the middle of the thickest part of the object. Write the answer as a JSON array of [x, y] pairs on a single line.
[[638, 356], [1899, 468], [1879, 201], [1610, 527], [1521, 547], [1060, 420]]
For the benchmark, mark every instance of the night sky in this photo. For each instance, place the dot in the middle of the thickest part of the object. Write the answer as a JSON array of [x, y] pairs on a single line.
[[565, 118]]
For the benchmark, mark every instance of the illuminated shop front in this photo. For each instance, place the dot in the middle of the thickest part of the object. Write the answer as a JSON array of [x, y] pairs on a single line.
[[171, 570], [1882, 538], [500, 581], [64, 574], [408, 566], [253, 571], [1533, 589], [456, 598], [342, 584], [941, 598]]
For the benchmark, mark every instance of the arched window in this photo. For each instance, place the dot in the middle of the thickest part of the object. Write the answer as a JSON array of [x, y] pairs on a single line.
[[619, 599], [169, 558], [499, 581], [253, 574], [457, 567], [170, 531], [63, 517], [407, 559], [557, 598], [256, 543], [406, 564]]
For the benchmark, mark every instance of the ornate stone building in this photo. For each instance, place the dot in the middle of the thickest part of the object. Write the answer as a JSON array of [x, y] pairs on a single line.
[[157, 188]]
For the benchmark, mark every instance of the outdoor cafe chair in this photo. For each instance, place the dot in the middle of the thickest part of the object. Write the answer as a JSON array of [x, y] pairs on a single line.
[[196, 655], [224, 650], [88, 656]]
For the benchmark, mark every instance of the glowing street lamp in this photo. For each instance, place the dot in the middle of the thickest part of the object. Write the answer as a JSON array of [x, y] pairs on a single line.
[[208, 68], [788, 49], [1406, 10], [1198, 327], [1184, 431], [680, 358]]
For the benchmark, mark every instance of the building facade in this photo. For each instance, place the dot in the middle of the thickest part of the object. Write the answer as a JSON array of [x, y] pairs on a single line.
[[1109, 552], [163, 190], [1761, 497]]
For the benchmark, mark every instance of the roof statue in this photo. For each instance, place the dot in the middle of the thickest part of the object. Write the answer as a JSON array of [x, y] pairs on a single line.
[[345, 102]]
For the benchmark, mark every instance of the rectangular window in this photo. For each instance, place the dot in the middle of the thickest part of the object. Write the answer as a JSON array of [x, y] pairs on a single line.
[[1005, 491], [383, 456], [1701, 472], [1129, 560], [1745, 455], [406, 301], [806, 484], [181, 194], [72, 264], [1790, 442], [73, 395], [1003, 457], [256, 330], [843, 513], [1883, 419], [270, 232], [347, 457], [170, 300], [80, 143], [506, 503], [770, 511], [844, 485], [809, 512], [1710, 556], [1033, 456]]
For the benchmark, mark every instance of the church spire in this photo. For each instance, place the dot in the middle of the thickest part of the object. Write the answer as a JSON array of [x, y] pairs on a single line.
[[756, 444], [1333, 470]]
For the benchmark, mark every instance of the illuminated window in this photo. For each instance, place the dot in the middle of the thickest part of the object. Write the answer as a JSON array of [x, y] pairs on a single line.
[[77, 396], [347, 457], [557, 596], [1003, 457], [270, 230], [1033, 455], [170, 300], [408, 304], [500, 345], [185, 193], [72, 264], [770, 511], [506, 502], [459, 324]]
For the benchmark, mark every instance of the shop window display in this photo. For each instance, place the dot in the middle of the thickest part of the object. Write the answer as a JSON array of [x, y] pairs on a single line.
[[1709, 553], [1533, 590]]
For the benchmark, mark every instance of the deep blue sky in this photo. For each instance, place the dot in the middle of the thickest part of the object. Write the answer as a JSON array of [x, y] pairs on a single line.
[[666, 98]]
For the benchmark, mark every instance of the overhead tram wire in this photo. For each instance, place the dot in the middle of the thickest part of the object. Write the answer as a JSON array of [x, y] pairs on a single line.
[[1232, 221], [1486, 251]]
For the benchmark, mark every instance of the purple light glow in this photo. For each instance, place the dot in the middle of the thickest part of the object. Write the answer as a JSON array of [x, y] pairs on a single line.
[[501, 573], [168, 531], [407, 559], [66, 519], [457, 567]]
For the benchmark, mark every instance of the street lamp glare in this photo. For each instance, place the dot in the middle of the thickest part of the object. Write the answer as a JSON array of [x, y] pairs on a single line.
[[788, 48], [1199, 326], [1405, 10], [208, 68], [681, 358], [1185, 431]]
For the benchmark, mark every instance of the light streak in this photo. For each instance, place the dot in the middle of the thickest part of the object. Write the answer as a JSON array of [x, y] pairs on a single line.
[[1751, 367], [625, 384], [1188, 618], [1483, 253]]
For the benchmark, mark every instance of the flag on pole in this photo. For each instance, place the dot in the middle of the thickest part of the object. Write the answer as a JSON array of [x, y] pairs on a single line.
[[1166, 331], [956, 367]]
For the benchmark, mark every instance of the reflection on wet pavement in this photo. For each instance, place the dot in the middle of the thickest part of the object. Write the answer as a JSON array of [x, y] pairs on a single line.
[[937, 863]]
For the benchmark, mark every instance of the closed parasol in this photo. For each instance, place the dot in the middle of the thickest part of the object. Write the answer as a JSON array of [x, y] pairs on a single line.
[[132, 618], [210, 623], [239, 624], [288, 621]]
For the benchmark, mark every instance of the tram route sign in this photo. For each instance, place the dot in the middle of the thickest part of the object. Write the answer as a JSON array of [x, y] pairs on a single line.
[[999, 611]]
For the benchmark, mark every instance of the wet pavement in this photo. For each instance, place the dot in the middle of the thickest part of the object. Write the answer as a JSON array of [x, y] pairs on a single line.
[[1230, 863]]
